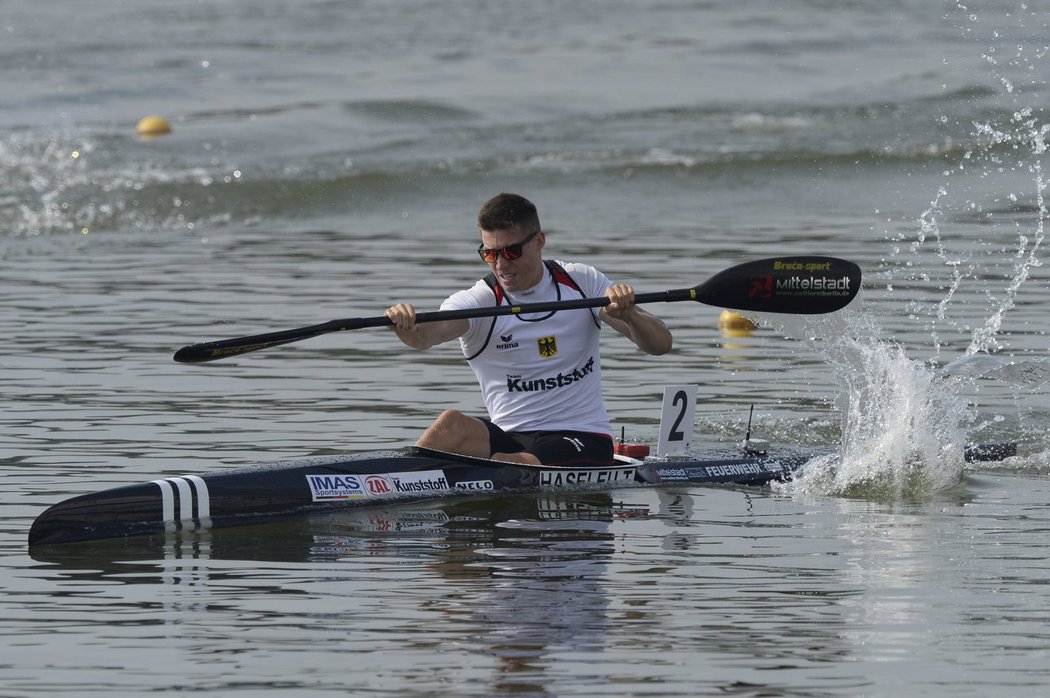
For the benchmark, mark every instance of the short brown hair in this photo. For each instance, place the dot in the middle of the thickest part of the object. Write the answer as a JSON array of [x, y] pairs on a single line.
[[505, 211]]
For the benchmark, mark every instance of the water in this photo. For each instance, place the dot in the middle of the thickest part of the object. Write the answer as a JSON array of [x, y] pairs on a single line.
[[329, 158]]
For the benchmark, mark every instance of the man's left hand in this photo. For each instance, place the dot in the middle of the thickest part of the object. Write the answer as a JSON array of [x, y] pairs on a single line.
[[621, 302]]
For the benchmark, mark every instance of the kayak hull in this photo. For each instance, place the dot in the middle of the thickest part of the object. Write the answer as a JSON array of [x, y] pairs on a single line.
[[262, 493], [266, 492]]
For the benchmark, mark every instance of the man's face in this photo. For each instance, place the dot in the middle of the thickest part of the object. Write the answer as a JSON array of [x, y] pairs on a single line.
[[523, 272]]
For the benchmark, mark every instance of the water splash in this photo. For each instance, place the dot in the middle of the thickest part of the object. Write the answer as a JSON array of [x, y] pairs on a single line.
[[998, 183], [904, 428], [81, 182], [1025, 134], [981, 238]]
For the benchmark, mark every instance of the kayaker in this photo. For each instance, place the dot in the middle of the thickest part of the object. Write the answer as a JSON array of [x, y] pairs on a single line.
[[540, 375]]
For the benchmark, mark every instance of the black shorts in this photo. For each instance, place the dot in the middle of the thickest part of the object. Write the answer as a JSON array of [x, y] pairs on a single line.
[[553, 447]]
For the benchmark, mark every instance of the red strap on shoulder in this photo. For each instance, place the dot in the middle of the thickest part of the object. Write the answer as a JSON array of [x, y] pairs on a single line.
[[562, 277], [497, 290]]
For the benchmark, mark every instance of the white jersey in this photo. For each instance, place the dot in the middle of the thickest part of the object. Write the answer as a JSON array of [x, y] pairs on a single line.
[[539, 372]]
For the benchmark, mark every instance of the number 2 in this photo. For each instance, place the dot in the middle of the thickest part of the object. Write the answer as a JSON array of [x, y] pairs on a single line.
[[679, 400]]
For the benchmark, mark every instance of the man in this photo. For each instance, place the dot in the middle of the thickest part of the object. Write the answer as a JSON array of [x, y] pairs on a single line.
[[540, 375]]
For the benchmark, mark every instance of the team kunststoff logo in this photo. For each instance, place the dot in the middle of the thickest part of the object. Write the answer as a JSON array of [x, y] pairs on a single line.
[[548, 346]]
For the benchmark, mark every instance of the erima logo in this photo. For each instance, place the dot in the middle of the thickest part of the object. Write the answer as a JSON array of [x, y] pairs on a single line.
[[507, 342], [517, 384]]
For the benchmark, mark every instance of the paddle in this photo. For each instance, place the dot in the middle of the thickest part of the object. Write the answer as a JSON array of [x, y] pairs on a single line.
[[795, 285]]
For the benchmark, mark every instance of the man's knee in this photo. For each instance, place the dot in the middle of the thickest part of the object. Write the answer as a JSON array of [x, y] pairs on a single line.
[[452, 417], [517, 457], [457, 432]]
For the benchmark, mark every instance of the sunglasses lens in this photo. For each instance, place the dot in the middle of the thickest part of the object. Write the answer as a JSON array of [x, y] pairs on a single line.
[[509, 252]]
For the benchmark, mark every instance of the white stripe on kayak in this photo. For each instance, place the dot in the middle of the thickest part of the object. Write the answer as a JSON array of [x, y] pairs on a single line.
[[189, 487], [167, 499], [203, 500], [185, 498]]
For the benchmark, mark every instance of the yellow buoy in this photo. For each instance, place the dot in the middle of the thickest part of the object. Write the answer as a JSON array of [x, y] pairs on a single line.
[[734, 324], [152, 126]]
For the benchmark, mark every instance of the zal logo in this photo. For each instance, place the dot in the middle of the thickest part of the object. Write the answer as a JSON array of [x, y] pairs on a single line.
[[548, 346], [761, 287], [378, 485]]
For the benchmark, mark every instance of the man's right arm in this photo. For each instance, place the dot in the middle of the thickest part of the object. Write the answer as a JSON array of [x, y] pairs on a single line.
[[424, 335]]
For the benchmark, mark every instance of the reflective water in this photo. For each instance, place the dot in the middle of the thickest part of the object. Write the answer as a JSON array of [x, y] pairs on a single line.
[[329, 158], [640, 592]]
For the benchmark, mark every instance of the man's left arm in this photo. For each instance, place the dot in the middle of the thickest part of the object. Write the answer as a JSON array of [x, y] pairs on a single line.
[[647, 331]]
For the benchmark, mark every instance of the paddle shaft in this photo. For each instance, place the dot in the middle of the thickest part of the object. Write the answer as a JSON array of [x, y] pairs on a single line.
[[210, 351], [796, 285]]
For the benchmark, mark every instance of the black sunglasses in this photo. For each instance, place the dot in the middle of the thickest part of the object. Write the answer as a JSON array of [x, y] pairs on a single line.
[[514, 251]]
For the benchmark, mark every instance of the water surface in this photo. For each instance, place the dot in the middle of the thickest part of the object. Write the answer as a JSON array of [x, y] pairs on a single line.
[[328, 159]]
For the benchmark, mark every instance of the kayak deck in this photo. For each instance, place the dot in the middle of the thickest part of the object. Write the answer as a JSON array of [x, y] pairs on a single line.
[[262, 492]]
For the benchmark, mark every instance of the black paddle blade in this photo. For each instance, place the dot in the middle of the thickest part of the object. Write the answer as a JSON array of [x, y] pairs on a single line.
[[212, 351], [795, 285], [224, 348]]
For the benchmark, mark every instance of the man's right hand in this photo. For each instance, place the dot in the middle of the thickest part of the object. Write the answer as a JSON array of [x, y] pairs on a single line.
[[426, 335], [403, 317]]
